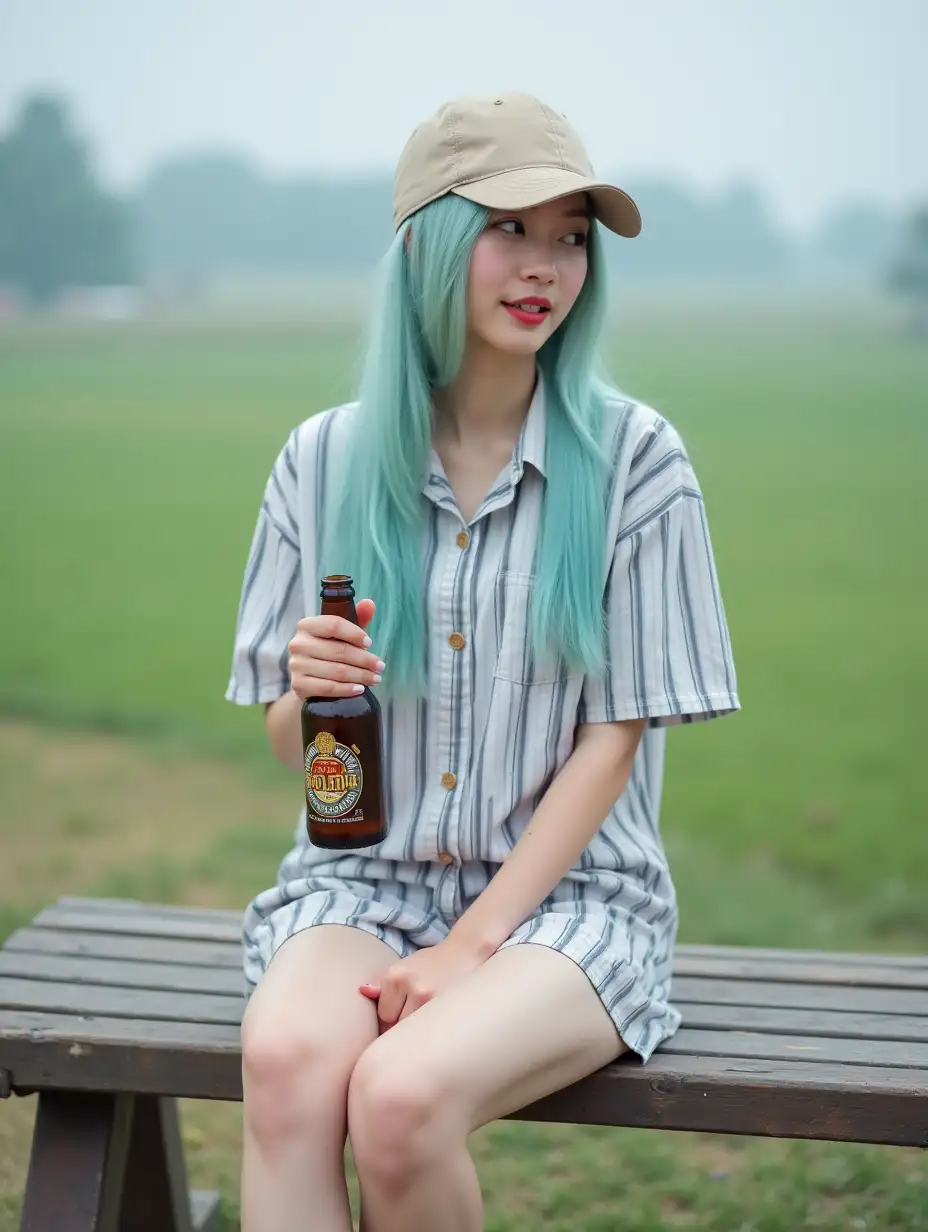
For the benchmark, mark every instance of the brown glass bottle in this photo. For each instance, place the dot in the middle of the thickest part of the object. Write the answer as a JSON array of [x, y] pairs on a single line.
[[342, 752]]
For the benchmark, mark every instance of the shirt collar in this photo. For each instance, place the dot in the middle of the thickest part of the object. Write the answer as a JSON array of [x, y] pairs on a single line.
[[529, 448]]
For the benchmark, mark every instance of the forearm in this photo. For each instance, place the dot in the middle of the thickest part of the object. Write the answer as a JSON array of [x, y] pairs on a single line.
[[572, 810], [282, 720]]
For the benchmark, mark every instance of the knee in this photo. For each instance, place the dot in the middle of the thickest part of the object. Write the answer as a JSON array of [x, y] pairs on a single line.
[[398, 1118], [293, 1075]]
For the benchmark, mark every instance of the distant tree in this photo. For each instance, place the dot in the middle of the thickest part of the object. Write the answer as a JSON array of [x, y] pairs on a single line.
[[58, 228], [688, 236], [857, 238], [206, 213], [909, 275]]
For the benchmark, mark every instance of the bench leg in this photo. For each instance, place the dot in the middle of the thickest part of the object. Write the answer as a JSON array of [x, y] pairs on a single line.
[[77, 1163], [111, 1163], [155, 1195]]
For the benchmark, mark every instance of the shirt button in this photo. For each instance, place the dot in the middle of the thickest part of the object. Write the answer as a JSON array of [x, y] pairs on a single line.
[[445, 857], [457, 641], [462, 539], [449, 780]]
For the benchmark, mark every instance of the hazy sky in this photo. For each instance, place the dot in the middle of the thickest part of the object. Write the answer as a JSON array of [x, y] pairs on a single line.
[[818, 100]]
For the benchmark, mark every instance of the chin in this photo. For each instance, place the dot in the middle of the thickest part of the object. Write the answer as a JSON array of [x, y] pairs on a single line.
[[518, 341]]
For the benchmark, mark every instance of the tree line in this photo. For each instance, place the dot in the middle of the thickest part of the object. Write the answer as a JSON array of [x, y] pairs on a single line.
[[197, 216]]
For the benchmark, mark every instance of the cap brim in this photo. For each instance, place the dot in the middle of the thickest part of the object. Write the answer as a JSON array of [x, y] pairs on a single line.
[[527, 187]]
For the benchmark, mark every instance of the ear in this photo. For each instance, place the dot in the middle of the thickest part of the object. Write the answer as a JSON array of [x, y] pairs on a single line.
[[407, 238]]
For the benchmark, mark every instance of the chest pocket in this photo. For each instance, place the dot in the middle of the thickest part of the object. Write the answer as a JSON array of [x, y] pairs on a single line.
[[516, 661]]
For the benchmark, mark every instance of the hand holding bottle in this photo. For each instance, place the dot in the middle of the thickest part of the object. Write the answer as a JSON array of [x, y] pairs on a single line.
[[329, 655]]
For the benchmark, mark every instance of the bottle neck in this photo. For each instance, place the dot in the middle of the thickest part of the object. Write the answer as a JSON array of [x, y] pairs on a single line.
[[340, 607]]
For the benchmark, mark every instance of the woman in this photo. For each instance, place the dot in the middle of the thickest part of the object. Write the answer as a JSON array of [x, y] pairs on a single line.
[[546, 603]]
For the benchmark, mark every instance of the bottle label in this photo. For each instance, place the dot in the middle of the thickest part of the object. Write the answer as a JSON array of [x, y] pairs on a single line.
[[333, 777]]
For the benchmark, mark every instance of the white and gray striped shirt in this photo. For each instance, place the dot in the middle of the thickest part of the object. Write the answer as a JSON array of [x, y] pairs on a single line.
[[466, 766]]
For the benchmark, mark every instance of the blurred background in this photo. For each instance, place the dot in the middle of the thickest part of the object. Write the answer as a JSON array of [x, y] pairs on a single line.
[[193, 200]]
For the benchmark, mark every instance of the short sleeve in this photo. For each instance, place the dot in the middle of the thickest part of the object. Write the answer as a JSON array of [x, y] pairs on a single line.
[[272, 592], [669, 656]]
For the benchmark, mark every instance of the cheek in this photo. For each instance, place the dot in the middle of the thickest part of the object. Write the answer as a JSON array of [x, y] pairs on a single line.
[[572, 274], [487, 275]]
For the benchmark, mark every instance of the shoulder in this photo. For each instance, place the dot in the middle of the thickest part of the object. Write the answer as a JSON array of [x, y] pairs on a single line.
[[639, 441], [633, 429], [311, 442], [310, 448], [650, 469], [303, 461]]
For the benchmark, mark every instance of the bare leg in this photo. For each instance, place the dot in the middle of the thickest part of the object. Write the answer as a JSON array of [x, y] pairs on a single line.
[[526, 1023], [304, 1029]]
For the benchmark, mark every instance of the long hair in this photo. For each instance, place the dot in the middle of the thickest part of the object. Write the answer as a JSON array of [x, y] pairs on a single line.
[[416, 344]]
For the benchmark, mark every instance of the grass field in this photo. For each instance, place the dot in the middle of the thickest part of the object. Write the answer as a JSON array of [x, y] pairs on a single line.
[[131, 467]]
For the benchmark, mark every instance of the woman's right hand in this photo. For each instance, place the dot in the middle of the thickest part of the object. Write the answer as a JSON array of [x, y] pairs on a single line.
[[329, 656]]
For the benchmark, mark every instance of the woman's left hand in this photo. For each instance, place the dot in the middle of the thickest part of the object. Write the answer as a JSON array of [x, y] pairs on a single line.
[[410, 982]]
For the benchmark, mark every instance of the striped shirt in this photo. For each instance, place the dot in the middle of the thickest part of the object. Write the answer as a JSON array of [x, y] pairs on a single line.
[[466, 766]]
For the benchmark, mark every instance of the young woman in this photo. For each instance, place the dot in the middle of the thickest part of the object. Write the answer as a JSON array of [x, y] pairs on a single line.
[[546, 604]]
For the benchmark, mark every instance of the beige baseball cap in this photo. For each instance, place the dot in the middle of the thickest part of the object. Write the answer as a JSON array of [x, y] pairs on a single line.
[[506, 151]]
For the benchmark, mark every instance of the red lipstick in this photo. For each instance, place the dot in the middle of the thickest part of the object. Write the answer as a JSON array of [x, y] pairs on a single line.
[[530, 309]]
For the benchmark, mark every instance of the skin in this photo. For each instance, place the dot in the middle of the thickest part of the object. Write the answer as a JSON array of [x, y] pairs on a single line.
[[539, 252], [409, 1056]]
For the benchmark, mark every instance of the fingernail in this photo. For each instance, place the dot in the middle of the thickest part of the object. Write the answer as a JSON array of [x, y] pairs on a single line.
[[367, 641], [377, 679], [380, 665], [357, 688]]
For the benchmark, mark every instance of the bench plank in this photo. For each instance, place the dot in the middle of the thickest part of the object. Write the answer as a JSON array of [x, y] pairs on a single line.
[[167, 977], [732, 1015], [789, 1098], [799, 996], [113, 945], [865, 973], [753, 955], [97, 1000], [95, 967], [119, 905], [141, 924], [200, 972], [771, 1047], [829, 1023], [181, 953], [138, 924], [178, 1007]]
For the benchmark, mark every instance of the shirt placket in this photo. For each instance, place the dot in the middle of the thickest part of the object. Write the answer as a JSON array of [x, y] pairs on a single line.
[[451, 640], [454, 636]]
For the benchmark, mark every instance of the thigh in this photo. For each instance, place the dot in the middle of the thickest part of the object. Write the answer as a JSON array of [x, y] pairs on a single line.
[[309, 997], [525, 1024], [397, 912]]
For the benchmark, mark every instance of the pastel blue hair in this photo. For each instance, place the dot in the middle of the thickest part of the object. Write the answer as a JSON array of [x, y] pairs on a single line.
[[416, 344]]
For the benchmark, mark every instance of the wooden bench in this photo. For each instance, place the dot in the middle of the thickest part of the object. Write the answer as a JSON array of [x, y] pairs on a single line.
[[112, 1010]]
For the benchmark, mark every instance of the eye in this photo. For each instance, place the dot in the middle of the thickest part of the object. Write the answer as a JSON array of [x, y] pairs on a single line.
[[511, 222], [577, 239]]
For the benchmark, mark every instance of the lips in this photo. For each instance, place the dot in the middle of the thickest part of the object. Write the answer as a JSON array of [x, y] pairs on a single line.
[[531, 310]]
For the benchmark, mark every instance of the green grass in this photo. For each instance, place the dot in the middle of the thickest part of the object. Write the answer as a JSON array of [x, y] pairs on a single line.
[[131, 469]]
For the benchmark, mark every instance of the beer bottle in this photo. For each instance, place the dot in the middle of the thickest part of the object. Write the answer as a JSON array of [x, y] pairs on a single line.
[[342, 752]]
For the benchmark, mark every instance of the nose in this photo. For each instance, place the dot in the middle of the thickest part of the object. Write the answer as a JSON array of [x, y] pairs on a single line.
[[538, 265]]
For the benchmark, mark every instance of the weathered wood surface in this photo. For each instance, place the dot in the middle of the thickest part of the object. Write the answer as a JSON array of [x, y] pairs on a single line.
[[116, 996]]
